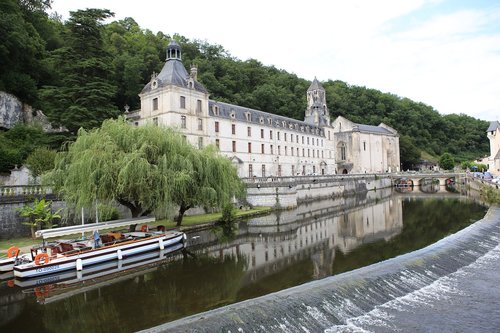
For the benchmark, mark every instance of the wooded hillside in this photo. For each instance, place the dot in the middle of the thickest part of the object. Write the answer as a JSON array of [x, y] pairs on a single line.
[[82, 71]]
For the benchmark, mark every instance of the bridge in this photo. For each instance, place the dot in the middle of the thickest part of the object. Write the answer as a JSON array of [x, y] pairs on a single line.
[[435, 182]]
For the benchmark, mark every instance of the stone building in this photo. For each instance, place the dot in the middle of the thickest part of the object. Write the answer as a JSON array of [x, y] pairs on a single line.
[[493, 133], [262, 144]]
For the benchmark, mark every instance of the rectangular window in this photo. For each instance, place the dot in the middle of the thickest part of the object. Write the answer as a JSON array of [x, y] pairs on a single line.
[[250, 170], [216, 127], [249, 147], [297, 138], [298, 152], [307, 140], [183, 102], [308, 153], [263, 170], [200, 142], [328, 135], [262, 148], [217, 143], [286, 151], [278, 136], [314, 153], [198, 106], [291, 152], [155, 121], [279, 150], [271, 135], [234, 146], [302, 139], [249, 131], [271, 149], [200, 124], [279, 170], [285, 136], [233, 128], [293, 170], [364, 145], [155, 103], [183, 121], [262, 133]]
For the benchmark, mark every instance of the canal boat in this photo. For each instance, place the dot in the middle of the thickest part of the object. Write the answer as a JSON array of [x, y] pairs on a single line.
[[68, 283], [61, 255]]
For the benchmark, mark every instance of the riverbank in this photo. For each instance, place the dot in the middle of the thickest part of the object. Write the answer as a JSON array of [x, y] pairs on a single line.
[[189, 223]]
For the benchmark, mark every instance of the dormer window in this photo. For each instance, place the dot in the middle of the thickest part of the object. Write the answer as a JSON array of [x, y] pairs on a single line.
[[233, 114], [261, 120], [248, 115], [215, 108], [283, 123], [269, 121], [154, 84]]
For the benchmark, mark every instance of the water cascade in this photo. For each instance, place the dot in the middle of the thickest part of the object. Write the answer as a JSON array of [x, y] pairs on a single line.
[[352, 301]]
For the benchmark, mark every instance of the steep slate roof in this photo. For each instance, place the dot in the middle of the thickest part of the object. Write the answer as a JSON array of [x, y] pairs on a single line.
[[174, 72], [225, 110], [493, 126], [315, 85], [371, 129]]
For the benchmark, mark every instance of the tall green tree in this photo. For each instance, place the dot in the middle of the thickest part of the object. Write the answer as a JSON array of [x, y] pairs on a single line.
[[21, 47], [146, 169], [83, 93], [446, 161]]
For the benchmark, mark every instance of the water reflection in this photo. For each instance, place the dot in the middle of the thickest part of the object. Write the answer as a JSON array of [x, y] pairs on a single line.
[[262, 255]]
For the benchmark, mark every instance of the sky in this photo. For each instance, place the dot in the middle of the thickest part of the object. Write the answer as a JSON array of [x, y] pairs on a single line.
[[444, 53]]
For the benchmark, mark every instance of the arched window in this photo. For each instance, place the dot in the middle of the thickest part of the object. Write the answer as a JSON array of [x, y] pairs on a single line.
[[342, 151]]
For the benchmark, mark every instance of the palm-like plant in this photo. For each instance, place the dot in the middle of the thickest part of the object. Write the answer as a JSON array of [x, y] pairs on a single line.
[[38, 214]]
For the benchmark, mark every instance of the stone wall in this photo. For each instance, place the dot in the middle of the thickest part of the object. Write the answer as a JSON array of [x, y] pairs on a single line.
[[290, 192], [11, 223]]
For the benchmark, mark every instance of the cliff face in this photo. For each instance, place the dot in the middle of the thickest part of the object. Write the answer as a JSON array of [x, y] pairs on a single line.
[[11, 110]]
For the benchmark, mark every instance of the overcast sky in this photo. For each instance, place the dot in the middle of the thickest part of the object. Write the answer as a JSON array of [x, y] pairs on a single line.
[[444, 53]]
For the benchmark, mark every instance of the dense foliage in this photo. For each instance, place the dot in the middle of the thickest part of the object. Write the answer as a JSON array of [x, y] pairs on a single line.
[[146, 169], [83, 71]]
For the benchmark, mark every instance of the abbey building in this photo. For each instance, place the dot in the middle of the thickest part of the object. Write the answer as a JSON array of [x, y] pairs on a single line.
[[262, 144]]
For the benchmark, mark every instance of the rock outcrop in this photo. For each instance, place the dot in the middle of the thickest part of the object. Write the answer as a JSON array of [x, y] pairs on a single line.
[[11, 110]]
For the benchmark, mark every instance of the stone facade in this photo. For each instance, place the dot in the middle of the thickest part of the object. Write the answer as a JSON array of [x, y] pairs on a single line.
[[259, 143], [493, 133]]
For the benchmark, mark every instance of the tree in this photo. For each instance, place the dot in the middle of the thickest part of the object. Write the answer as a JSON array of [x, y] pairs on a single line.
[[38, 214], [144, 168], [82, 95], [446, 161], [40, 161], [204, 179]]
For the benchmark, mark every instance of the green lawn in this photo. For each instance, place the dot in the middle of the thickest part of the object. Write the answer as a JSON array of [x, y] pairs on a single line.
[[188, 221]]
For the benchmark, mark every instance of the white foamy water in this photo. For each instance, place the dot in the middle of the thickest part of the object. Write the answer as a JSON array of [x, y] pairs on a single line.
[[385, 317]]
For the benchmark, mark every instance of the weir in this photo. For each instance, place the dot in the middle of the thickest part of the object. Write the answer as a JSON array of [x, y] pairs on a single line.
[[338, 302]]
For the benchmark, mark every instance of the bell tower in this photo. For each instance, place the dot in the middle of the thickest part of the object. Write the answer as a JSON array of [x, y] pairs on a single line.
[[317, 112]]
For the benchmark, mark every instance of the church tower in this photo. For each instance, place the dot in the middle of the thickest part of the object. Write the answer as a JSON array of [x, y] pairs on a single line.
[[317, 112]]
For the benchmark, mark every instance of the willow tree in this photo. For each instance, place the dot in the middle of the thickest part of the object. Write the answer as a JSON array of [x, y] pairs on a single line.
[[145, 168], [204, 178]]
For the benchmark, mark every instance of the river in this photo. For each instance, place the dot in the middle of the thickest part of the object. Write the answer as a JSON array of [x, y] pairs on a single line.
[[256, 257]]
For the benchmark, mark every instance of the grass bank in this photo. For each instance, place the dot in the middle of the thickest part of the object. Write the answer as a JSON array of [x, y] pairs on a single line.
[[187, 223]]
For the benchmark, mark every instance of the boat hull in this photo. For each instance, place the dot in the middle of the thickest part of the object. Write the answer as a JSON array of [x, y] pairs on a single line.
[[92, 257]]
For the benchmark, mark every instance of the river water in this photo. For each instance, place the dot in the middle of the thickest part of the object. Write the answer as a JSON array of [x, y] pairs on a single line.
[[254, 258]]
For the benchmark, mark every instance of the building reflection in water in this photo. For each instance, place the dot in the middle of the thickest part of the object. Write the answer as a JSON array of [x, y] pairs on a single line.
[[313, 230]]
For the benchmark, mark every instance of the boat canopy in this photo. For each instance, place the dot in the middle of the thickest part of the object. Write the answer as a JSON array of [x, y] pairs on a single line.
[[74, 229]]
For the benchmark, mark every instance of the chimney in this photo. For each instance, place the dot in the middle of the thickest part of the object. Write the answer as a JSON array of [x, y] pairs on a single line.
[[194, 72]]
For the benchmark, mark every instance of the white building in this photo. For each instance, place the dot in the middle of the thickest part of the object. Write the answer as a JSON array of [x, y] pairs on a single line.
[[262, 144], [493, 133]]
